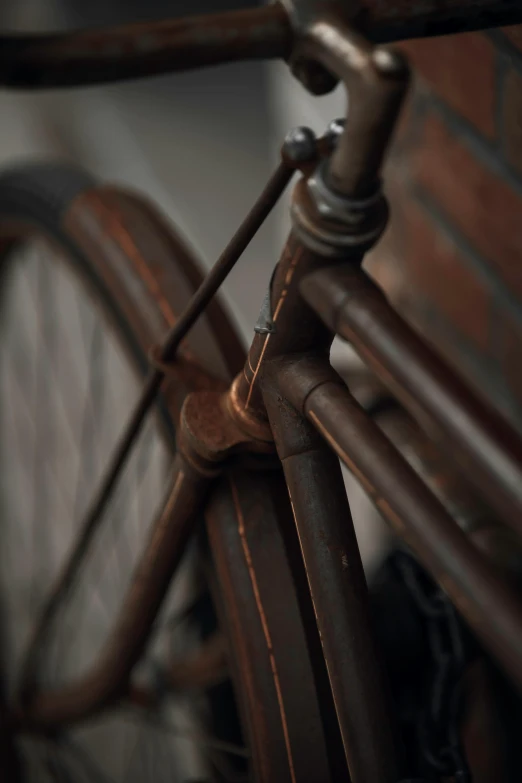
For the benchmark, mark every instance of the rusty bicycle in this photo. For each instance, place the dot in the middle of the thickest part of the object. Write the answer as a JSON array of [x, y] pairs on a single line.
[[290, 669]]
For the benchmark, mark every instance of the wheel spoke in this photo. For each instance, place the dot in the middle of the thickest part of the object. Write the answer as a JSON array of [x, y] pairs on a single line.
[[84, 759], [198, 737], [43, 434], [92, 412], [56, 769]]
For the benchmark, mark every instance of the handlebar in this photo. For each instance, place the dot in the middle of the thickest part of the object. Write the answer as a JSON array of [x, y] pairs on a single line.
[[144, 49]]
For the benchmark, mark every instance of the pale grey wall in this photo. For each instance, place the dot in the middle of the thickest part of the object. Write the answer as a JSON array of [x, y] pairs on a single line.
[[199, 144]]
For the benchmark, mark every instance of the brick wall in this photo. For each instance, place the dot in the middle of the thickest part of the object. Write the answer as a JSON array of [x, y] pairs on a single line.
[[452, 256]]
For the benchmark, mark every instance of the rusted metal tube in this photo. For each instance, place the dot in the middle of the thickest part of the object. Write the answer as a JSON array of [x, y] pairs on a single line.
[[132, 51], [482, 443], [376, 81], [287, 309], [484, 599], [108, 678], [394, 20], [339, 594], [260, 602], [383, 21], [137, 50]]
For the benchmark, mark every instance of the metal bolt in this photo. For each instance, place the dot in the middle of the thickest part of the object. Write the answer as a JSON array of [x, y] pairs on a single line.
[[334, 130], [313, 76], [388, 61], [300, 144]]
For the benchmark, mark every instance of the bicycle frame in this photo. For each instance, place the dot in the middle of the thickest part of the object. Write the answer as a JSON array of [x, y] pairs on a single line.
[[288, 396]]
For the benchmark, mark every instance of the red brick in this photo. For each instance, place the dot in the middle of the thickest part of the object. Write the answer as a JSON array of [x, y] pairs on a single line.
[[385, 261], [405, 124], [512, 118], [440, 275], [481, 205], [510, 350], [384, 266], [514, 34], [460, 70]]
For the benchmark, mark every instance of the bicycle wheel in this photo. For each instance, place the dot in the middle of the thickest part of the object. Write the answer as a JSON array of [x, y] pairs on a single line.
[[91, 279]]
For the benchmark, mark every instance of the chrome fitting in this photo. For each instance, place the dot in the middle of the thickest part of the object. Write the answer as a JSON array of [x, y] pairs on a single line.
[[333, 224]]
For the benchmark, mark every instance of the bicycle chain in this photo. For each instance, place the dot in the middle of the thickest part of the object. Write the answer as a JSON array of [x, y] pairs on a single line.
[[439, 722]]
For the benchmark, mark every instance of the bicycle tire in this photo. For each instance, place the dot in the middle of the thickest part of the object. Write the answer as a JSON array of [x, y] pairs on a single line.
[[141, 273]]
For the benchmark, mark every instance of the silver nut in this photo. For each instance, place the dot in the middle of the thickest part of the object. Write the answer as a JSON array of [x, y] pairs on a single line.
[[316, 191], [330, 206], [334, 130], [388, 61], [300, 144]]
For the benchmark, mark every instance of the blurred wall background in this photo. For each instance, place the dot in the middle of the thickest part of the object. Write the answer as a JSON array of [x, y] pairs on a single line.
[[197, 143], [451, 256]]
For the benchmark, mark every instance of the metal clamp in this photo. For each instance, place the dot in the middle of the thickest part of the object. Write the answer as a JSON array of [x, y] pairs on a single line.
[[333, 206], [333, 224], [265, 323]]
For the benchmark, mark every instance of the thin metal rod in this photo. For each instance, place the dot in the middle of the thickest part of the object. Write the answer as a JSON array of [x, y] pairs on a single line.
[[395, 21], [194, 309], [145, 49], [481, 442], [484, 599], [198, 737]]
